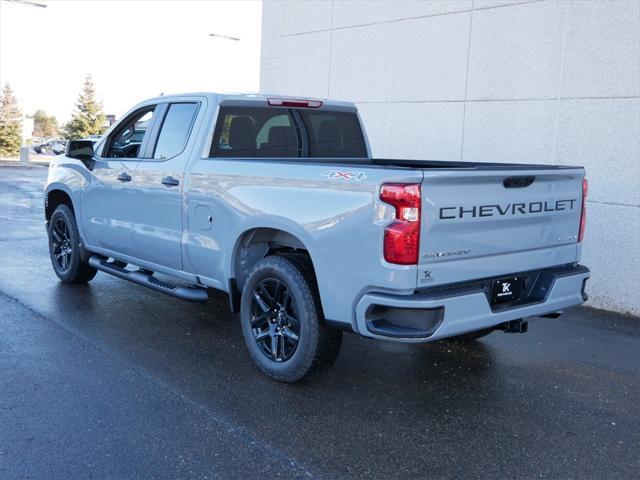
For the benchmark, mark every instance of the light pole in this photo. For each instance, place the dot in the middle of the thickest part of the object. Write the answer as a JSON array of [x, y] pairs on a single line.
[[224, 37], [28, 4]]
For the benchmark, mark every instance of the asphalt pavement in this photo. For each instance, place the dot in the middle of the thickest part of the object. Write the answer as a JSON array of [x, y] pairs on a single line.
[[112, 380]]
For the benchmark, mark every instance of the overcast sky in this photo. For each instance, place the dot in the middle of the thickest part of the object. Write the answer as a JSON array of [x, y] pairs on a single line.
[[133, 50]]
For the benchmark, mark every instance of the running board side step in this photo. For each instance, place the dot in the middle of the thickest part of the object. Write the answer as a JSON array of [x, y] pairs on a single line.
[[146, 279]]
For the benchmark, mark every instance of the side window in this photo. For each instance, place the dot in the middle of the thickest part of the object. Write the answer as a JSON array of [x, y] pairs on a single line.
[[175, 130], [125, 142], [254, 132]]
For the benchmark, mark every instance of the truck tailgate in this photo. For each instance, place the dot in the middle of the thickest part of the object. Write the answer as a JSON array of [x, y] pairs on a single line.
[[486, 223]]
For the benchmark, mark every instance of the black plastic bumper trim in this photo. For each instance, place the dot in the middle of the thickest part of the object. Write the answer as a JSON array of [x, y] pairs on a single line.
[[538, 283]]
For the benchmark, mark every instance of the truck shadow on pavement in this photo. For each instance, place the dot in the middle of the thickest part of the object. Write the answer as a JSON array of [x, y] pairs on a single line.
[[380, 400]]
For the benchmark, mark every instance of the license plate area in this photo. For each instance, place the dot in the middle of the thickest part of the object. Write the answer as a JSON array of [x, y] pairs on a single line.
[[506, 290]]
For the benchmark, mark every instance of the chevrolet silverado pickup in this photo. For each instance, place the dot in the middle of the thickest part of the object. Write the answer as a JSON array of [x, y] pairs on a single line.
[[278, 202]]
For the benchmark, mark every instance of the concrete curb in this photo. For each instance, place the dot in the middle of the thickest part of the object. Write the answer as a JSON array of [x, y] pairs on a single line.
[[9, 163]]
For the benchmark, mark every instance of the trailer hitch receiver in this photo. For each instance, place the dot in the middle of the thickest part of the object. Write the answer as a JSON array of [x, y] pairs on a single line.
[[514, 326]]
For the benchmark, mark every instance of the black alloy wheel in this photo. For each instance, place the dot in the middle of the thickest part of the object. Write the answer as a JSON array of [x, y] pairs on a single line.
[[275, 320], [282, 320], [62, 246], [65, 247]]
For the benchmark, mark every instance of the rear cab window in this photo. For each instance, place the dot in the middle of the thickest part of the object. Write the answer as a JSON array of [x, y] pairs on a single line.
[[276, 132], [255, 132], [333, 134]]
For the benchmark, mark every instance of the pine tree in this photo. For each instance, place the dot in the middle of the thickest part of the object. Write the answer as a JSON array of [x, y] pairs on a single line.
[[44, 126], [88, 118], [10, 123]]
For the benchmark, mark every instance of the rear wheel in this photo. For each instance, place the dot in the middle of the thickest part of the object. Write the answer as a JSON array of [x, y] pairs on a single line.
[[64, 248], [282, 319]]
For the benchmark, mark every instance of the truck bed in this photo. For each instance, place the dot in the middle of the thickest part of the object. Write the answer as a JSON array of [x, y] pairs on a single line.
[[426, 164]]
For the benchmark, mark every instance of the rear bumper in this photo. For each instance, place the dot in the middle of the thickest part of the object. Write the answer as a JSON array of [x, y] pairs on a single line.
[[445, 312]]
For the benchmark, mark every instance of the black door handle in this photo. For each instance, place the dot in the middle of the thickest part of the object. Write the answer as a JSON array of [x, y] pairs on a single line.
[[124, 177], [170, 181]]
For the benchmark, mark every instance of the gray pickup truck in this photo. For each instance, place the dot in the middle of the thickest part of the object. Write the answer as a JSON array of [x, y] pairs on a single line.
[[278, 202]]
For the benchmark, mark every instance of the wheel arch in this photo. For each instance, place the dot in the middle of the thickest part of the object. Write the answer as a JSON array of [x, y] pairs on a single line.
[[255, 243], [54, 196], [58, 194]]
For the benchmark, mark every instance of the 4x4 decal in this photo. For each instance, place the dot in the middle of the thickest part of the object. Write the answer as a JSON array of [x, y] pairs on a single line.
[[346, 176]]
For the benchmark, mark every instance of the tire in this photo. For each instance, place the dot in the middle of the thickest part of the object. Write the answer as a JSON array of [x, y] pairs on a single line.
[[64, 248], [471, 336], [289, 307]]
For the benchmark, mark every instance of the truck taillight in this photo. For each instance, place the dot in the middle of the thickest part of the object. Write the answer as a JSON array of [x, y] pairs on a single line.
[[402, 236], [583, 214]]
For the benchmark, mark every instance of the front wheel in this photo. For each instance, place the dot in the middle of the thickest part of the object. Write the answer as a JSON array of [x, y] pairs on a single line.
[[282, 320], [64, 248]]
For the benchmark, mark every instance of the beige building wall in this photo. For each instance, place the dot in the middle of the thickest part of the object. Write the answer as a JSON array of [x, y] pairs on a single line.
[[485, 80]]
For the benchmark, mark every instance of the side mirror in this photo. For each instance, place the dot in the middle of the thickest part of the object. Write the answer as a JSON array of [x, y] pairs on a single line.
[[81, 150]]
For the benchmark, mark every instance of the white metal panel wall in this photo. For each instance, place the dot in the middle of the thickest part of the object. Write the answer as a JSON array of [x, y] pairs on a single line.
[[487, 80]]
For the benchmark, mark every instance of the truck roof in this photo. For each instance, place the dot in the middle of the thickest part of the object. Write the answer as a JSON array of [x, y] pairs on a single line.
[[249, 98]]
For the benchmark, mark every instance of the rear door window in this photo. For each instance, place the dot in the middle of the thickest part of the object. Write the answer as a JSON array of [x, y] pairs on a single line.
[[254, 132], [175, 130]]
